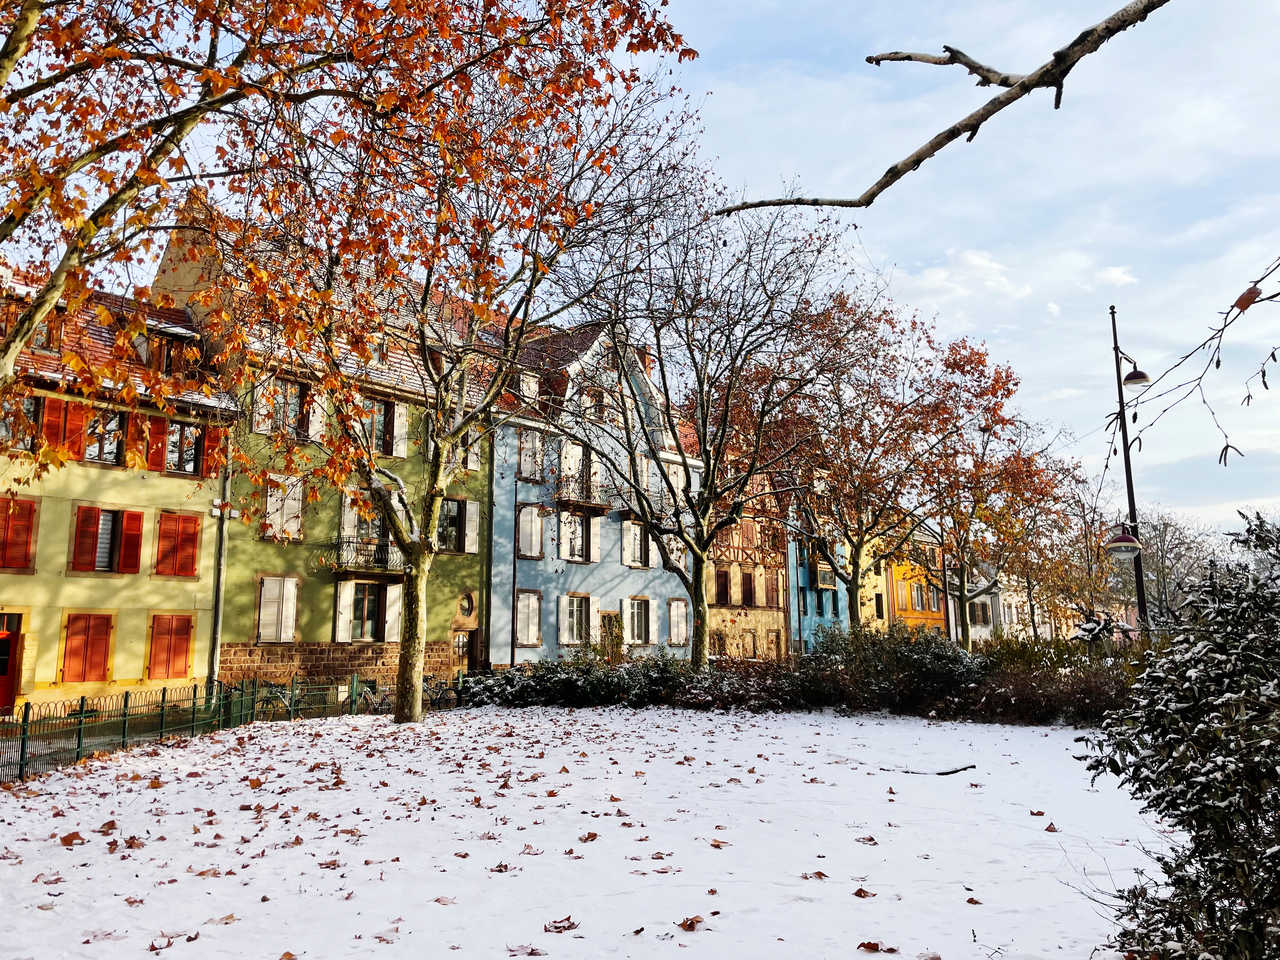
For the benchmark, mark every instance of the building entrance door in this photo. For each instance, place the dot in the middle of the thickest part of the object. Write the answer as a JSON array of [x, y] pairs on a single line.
[[10, 646]]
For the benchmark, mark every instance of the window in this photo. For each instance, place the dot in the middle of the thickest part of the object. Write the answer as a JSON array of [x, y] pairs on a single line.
[[578, 610], [635, 544], [87, 652], [639, 614], [370, 528], [573, 534], [107, 540], [917, 596], [283, 514], [749, 645], [679, 612], [277, 609], [290, 407], [979, 613], [748, 587], [18, 423], [529, 532], [449, 529], [528, 618], [804, 600], [771, 588], [17, 531], [48, 335], [748, 534], [182, 449], [818, 607], [722, 588], [835, 603], [935, 599], [879, 606], [531, 455], [826, 576], [177, 543], [367, 608], [380, 427], [170, 646], [104, 437], [595, 405], [640, 472]]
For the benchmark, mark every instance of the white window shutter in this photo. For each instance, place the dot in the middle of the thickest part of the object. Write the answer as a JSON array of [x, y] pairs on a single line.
[[595, 539], [471, 540], [594, 605], [292, 519], [274, 511], [288, 608], [653, 621], [563, 535], [627, 558], [642, 473], [400, 430], [344, 601], [473, 452], [655, 558], [624, 606], [269, 609], [391, 624], [315, 418], [563, 623], [262, 412]]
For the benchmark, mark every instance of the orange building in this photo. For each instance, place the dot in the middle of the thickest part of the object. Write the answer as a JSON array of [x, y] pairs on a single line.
[[913, 600]]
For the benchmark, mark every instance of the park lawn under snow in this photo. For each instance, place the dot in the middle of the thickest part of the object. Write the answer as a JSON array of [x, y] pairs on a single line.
[[483, 831]]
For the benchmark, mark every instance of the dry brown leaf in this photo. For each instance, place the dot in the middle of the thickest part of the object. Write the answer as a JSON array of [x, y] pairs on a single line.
[[690, 923], [863, 893]]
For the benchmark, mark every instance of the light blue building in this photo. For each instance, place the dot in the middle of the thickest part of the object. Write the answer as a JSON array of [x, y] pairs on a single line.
[[817, 598], [569, 564]]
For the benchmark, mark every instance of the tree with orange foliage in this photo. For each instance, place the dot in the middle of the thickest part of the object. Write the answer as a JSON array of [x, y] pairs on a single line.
[[110, 110], [992, 488], [883, 418]]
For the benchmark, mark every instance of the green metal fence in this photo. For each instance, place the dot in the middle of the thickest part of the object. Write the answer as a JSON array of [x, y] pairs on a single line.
[[37, 738]]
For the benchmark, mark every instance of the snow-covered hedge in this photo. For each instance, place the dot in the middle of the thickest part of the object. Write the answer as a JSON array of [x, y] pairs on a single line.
[[1199, 744], [904, 671]]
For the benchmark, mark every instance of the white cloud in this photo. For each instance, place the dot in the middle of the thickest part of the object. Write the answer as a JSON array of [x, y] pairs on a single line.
[[1117, 276], [1054, 309]]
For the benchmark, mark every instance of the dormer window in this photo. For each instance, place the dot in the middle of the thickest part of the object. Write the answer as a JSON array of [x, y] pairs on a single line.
[[594, 403]]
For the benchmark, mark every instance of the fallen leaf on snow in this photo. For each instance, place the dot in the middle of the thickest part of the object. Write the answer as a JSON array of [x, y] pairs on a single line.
[[72, 839], [525, 950], [445, 901], [560, 926], [689, 924], [863, 893], [1037, 813], [1051, 828]]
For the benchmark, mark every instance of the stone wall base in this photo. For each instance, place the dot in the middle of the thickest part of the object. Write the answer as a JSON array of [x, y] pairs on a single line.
[[278, 662]]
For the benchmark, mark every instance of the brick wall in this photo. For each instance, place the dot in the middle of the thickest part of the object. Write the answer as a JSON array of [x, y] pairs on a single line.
[[277, 662]]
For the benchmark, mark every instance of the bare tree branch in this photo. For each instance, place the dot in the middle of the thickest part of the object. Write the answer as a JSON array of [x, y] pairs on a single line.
[[1049, 75]]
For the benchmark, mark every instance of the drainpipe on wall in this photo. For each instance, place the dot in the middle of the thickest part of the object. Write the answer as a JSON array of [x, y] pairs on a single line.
[[515, 552], [946, 598], [488, 580], [219, 574]]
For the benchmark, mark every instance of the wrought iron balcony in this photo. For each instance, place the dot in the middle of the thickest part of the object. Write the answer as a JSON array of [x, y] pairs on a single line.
[[358, 553], [578, 492]]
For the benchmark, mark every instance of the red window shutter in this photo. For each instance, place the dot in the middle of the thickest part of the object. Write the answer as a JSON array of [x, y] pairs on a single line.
[[157, 437], [167, 544], [130, 542], [99, 647], [188, 536], [77, 416], [51, 420], [85, 550], [179, 647], [135, 447], [73, 654], [16, 529], [161, 643], [210, 456]]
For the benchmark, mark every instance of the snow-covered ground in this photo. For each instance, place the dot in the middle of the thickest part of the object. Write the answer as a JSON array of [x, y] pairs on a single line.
[[479, 833]]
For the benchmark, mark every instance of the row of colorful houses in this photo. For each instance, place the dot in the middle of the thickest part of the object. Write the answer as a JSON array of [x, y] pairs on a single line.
[[130, 567]]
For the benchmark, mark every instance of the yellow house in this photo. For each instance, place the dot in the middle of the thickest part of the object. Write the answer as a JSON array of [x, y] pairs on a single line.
[[107, 570]]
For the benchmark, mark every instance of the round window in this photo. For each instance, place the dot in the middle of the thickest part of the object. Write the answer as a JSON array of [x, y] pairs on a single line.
[[467, 605]]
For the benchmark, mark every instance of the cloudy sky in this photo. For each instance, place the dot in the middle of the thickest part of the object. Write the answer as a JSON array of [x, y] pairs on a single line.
[[1153, 188]]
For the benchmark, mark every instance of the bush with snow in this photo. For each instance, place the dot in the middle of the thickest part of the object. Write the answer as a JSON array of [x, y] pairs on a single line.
[[1199, 745]]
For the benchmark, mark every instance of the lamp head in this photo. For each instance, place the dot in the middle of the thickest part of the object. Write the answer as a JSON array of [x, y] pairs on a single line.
[[1123, 546], [1136, 380]]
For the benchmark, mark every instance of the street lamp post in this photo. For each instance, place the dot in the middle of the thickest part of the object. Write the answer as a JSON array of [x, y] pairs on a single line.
[[1129, 545]]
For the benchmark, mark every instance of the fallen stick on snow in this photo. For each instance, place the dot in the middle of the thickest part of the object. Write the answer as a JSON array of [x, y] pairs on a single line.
[[931, 773]]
